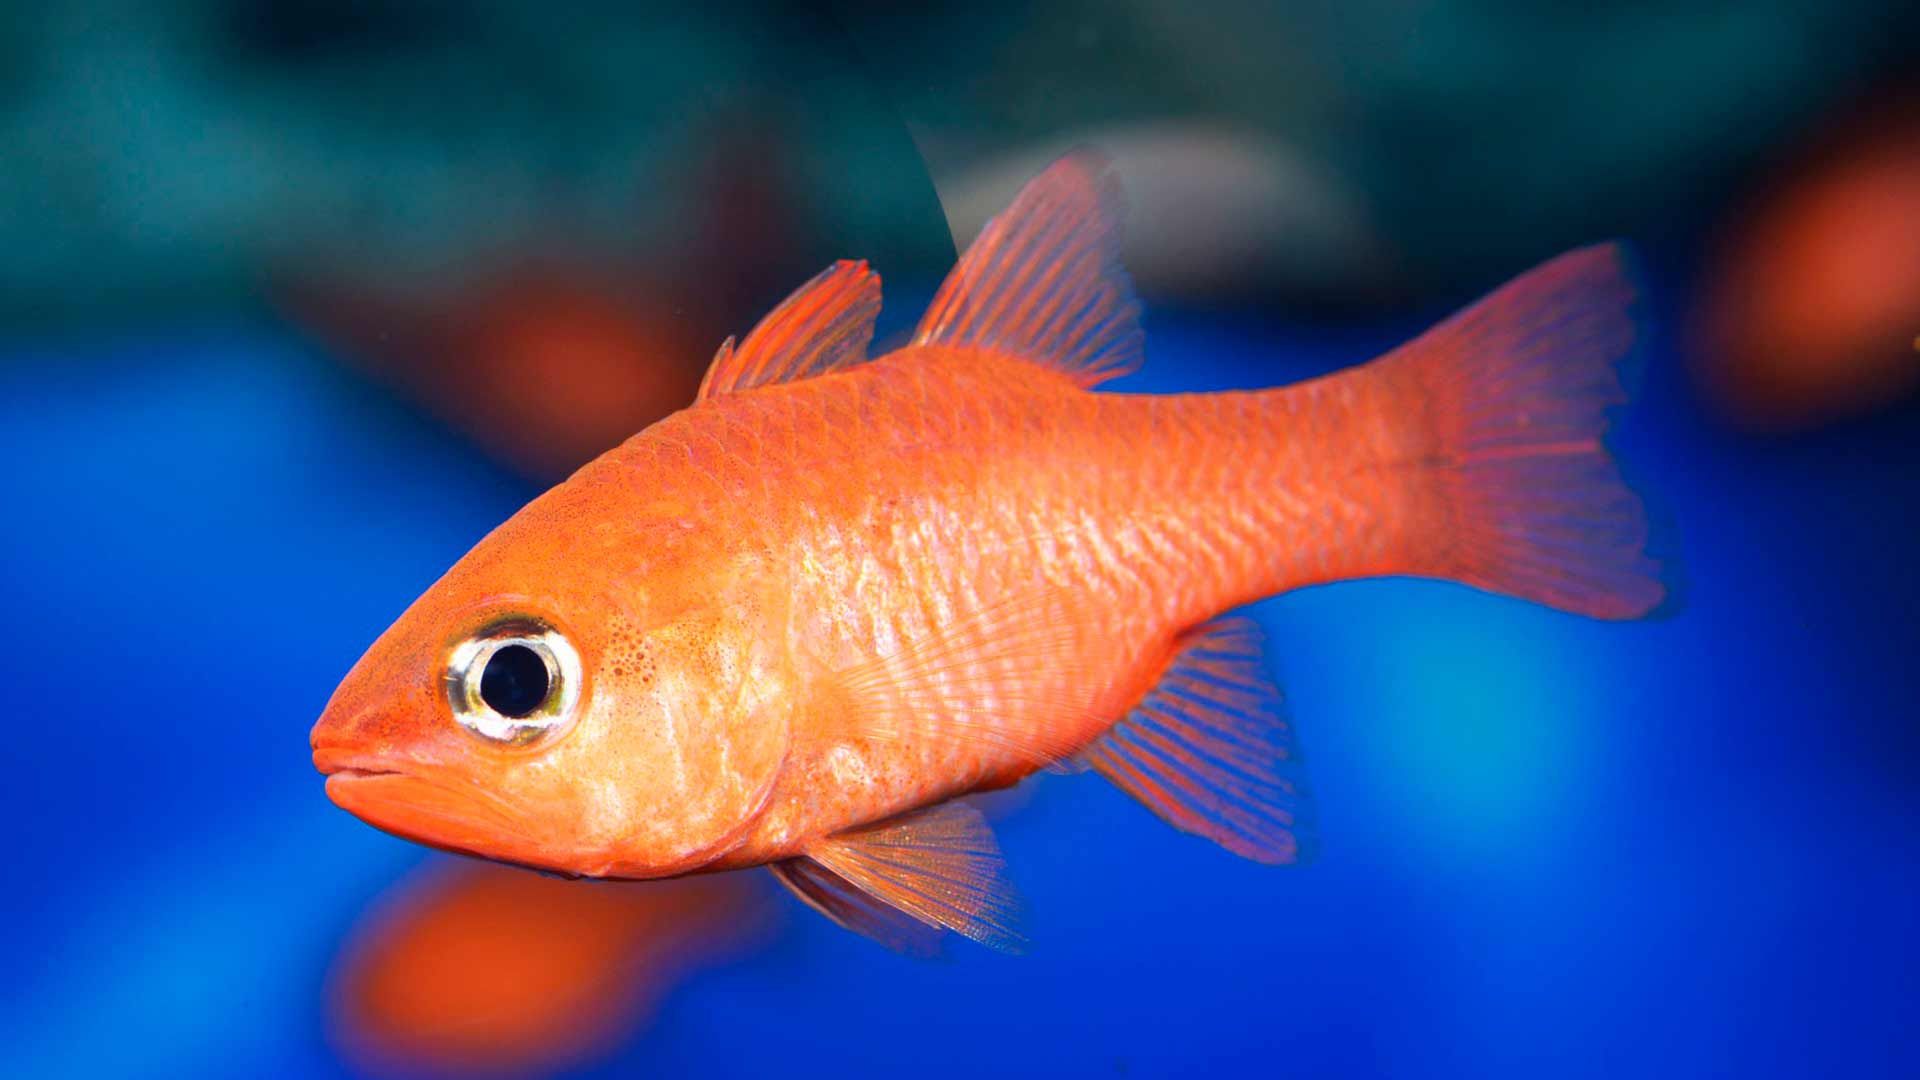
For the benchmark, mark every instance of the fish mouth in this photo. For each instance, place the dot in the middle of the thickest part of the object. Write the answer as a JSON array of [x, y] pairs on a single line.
[[335, 763], [415, 804], [354, 772]]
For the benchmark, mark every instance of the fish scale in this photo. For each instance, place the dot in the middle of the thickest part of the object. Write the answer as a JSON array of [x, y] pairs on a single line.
[[1074, 464]]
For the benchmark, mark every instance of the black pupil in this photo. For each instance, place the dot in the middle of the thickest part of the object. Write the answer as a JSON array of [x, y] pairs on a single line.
[[515, 682]]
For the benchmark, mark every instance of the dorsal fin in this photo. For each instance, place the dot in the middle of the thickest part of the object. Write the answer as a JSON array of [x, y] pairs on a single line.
[[826, 324], [1043, 280]]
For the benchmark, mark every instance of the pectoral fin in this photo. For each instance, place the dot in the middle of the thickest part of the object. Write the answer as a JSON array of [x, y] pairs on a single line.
[[936, 868], [966, 682]]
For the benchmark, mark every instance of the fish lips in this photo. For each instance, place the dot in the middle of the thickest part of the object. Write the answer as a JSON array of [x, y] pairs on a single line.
[[416, 803]]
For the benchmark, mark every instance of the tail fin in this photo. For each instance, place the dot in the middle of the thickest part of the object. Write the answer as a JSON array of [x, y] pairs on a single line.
[[1515, 390]]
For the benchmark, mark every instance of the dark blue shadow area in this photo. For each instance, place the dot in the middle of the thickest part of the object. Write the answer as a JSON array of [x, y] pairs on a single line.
[[1549, 846]]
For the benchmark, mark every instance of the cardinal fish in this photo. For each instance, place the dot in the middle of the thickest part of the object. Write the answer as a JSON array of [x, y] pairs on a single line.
[[794, 624]]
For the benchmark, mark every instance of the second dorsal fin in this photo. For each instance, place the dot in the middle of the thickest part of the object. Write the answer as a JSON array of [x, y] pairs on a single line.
[[826, 324], [1043, 280]]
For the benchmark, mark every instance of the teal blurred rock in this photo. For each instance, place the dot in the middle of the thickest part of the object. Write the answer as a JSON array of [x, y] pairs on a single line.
[[161, 156], [1476, 136]]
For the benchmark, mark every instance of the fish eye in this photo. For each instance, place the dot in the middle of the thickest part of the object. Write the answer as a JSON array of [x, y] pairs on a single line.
[[513, 682]]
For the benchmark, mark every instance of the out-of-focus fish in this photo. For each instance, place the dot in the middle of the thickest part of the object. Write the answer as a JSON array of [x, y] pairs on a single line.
[[544, 364], [549, 352], [1811, 299], [793, 624], [445, 974]]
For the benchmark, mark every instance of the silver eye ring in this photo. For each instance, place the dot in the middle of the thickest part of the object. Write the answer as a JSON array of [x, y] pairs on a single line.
[[514, 682]]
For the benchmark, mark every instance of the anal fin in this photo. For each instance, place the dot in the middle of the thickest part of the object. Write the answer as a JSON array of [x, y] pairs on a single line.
[[898, 880], [1209, 748]]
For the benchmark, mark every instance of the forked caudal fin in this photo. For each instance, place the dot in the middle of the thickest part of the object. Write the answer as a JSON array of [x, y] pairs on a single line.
[[1513, 394]]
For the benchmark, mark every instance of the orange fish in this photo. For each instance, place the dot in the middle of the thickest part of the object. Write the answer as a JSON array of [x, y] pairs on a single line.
[[793, 624], [1809, 305]]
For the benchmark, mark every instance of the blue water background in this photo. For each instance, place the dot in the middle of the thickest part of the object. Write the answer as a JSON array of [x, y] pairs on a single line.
[[1548, 846]]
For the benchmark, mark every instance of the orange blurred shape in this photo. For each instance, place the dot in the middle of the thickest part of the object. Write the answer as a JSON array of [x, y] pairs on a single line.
[[548, 365], [555, 349], [1811, 304], [476, 969], [557, 374]]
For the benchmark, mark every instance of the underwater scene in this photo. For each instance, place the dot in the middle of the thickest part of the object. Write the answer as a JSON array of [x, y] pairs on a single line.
[[1134, 539]]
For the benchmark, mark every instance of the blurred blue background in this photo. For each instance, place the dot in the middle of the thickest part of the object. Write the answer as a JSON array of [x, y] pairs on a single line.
[[1549, 846]]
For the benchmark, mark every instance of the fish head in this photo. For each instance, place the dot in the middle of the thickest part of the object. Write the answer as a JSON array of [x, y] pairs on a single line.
[[568, 697]]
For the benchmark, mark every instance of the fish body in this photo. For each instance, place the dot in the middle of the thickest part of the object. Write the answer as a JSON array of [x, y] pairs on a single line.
[[793, 624], [996, 509]]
